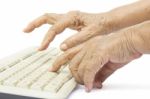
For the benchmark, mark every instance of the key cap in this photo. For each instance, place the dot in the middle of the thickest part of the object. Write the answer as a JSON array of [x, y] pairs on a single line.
[[31, 75], [57, 82], [26, 82], [14, 59], [55, 52], [43, 80], [67, 87], [21, 74], [10, 71]]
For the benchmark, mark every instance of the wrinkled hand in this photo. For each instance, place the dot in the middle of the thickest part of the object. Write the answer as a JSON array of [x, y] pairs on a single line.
[[87, 25], [91, 63]]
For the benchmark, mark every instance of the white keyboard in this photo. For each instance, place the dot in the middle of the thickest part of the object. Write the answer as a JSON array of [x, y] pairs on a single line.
[[26, 74]]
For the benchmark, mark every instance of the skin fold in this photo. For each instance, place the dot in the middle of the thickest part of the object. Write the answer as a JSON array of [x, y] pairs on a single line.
[[104, 42], [90, 25], [99, 57]]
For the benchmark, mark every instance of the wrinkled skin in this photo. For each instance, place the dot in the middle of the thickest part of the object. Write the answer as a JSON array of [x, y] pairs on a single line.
[[87, 25], [95, 60], [90, 25]]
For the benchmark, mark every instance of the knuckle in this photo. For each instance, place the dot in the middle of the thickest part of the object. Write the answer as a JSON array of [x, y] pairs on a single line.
[[74, 17], [103, 20], [46, 15], [75, 12], [66, 56], [106, 23]]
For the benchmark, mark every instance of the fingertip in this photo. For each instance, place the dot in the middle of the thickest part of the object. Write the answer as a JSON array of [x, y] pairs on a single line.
[[63, 47], [43, 46], [54, 69], [50, 69], [41, 49], [98, 85], [25, 30], [88, 87]]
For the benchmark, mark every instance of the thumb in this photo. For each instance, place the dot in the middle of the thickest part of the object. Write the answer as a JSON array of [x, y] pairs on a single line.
[[78, 38]]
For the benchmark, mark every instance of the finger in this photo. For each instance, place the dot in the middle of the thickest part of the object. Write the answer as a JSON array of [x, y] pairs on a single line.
[[53, 17], [50, 18], [107, 70], [97, 84], [83, 64], [74, 64], [92, 67], [80, 37], [52, 32], [65, 57]]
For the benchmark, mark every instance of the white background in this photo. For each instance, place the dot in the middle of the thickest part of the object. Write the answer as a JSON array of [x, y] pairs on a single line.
[[132, 81]]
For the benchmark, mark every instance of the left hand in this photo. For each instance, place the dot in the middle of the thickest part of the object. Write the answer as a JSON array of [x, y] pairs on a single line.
[[87, 26], [91, 63]]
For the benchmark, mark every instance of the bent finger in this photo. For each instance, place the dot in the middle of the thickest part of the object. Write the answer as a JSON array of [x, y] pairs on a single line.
[[65, 57], [50, 18], [92, 67], [74, 65], [79, 37], [53, 31]]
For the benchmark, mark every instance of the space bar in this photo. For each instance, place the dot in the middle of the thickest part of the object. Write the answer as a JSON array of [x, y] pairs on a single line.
[[10, 96]]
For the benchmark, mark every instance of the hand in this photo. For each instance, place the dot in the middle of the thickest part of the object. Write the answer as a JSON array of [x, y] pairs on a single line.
[[91, 63], [87, 25]]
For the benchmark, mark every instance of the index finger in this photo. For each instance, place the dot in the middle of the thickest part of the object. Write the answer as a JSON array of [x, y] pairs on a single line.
[[65, 57], [57, 28], [50, 18]]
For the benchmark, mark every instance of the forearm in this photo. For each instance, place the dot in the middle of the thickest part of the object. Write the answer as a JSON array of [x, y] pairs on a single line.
[[131, 14]]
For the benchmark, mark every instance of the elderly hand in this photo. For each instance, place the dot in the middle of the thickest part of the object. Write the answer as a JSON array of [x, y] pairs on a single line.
[[90, 25], [91, 63], [87, 25]]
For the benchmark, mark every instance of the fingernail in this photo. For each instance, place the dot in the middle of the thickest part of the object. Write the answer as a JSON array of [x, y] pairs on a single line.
[[50, 69], [40, 49], [25, 30], [63, 46], [98, 85], [86, 89]]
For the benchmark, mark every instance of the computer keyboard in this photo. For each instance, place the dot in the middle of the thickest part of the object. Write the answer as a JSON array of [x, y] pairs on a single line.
[[26, 74]]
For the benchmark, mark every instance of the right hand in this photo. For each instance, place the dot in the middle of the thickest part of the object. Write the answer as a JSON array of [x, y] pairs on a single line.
[[87, 25], [94, 61]]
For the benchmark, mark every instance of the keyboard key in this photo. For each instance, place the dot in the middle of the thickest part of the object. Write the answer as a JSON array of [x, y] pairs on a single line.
[[14, 59], [43, 80], [21, 74], [27, 81], [57, 82], [23, 64], [26, 73], [67, 87]]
